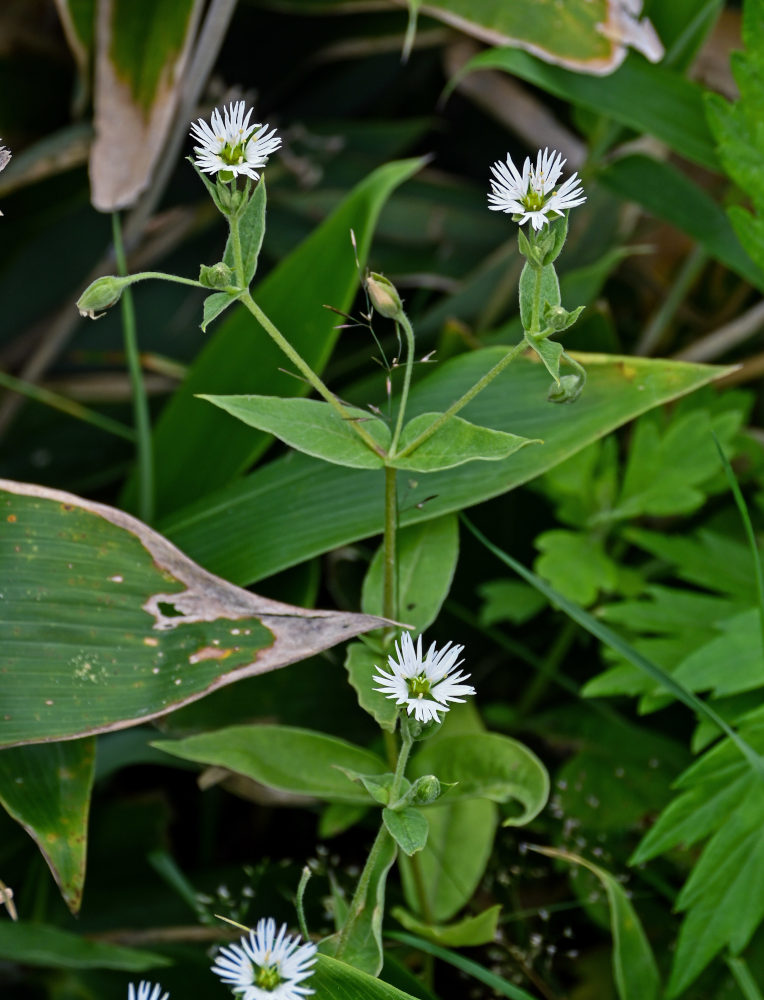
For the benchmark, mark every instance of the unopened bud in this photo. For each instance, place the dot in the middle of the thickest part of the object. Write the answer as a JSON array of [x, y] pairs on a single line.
[[568, 391], [101, 294], [425, 790], [384, 295], [558, 319], [217, 275]]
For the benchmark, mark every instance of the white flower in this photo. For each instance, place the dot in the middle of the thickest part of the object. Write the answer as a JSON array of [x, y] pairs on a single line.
[[424, 685], [146, 991], [266, 965], [532, 194], [231, 145]]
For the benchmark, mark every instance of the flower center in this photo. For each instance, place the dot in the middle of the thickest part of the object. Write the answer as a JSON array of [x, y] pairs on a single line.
[[267, 977], [418, 686], [533, 200], [233, 155]]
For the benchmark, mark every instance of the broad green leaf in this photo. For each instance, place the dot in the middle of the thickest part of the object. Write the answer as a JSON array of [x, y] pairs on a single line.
[[426, 560], [46, 788], [730, 663], [247, 531], [466, 933], [508, 600], [490, 766], [359, 942], [240, 358], [339, 981], [310, 426], [283, 757], [38, 944], [142, 49], [452, 864], [455, 443], [360, 661], [117, 626], [634, 967], [670, 107], [575, 564], [669, 194], [549, 292], [408, 828], [338, 817], [377, 785]]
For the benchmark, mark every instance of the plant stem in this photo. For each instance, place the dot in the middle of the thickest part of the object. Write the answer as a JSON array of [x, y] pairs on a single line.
[[407, 743], [238, 258], [409, 332], [141, 415], [310, 376], [359, 896], [299, 901], [468, 396], [536, 304], [389, 546]]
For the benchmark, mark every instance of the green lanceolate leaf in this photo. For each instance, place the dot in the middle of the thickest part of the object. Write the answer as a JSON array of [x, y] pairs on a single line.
[[426, 560], [549, 293], [46, 788], [407, 827], [251, 233], [311, 426], [246, 531], [360, 662], [634, 969], [550, 353], [467, 933], [38, 944], [455, 443], [487, 765], [117, 626], [283, 757]]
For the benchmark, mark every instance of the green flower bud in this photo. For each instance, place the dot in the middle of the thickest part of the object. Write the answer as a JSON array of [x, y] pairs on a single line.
[[384, 295], [101, 294], [217, 275], [425, 790], [568, 391], [560, 319]]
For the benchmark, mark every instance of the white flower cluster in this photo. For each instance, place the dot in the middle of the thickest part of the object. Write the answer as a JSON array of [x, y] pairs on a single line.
[[267, 964], [230, 145], [531, 194], [424, 684]]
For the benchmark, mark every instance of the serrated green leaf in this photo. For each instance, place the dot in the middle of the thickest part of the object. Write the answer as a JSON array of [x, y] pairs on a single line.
[[310, 426], [455, 443], [283, 757], [426, 561], [575, 564], [408, 828], [731, 663]]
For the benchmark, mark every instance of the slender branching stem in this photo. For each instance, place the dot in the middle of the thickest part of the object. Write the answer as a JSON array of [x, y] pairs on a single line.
[[409, 334], [141, 416]]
